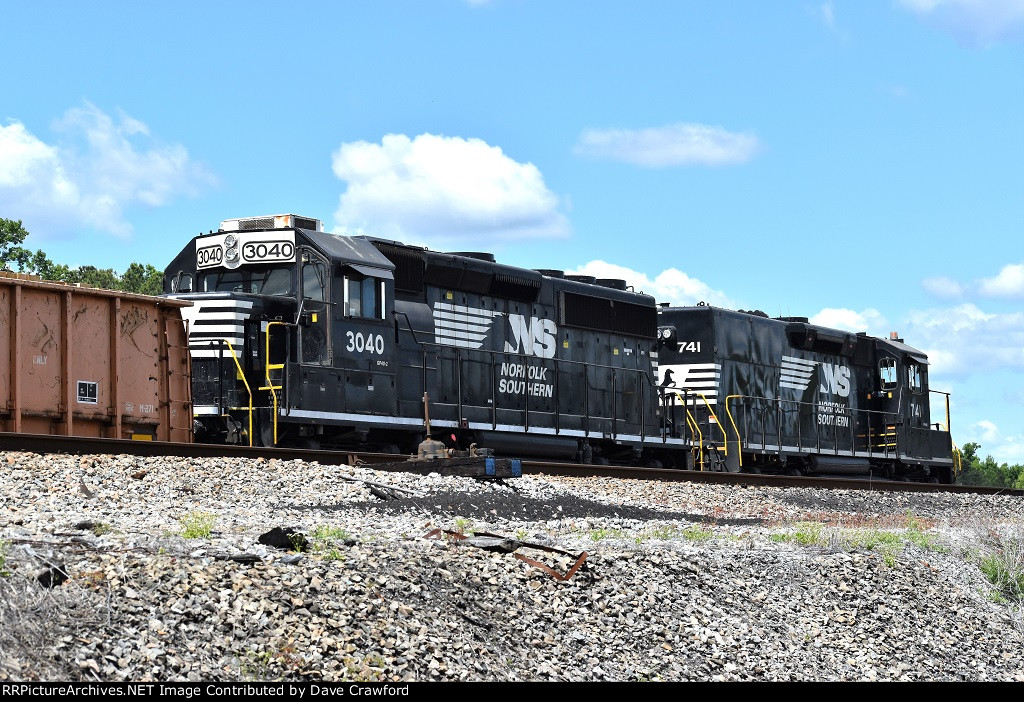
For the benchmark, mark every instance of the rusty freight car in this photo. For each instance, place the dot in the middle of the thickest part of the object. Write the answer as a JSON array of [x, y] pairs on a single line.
[[78, 361]]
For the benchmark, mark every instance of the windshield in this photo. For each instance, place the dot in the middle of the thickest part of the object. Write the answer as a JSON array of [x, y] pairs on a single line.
[[256, 280]]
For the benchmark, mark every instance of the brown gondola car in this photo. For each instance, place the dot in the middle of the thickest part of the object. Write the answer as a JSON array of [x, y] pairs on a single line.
[[77, 361]]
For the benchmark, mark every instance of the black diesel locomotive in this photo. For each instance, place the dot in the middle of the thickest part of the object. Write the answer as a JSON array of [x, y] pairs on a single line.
[[784, 395], [301, 337]]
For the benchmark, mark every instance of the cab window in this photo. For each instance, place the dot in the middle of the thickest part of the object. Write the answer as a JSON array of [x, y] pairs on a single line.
[[314, 281], [259, 280], [364, 297], [914, 381], [182, 283], [887, 373]]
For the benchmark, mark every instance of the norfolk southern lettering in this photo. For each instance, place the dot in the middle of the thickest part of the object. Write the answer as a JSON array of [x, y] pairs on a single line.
[[521, 379]]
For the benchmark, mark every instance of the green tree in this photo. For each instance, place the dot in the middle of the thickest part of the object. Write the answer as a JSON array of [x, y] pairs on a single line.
[[143, 279], [138, 278], [12, 236], [987, 472], [94, 277]]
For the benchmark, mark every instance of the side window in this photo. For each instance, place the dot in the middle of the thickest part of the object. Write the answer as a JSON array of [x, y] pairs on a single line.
[[914, 377], [364, 297], [887, 373], [353, 298]]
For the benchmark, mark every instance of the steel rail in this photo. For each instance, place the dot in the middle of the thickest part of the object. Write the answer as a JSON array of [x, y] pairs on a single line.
[[45, 444]]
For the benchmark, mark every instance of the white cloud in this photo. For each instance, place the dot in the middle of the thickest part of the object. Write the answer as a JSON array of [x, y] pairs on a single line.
[[973, 22], [442, 189], [673, 145], [986, 430], [943, 287], [1003, 448], [964, 339], [869, 320], [671, 285], [95, 169], [1008, 283], [828, 14]]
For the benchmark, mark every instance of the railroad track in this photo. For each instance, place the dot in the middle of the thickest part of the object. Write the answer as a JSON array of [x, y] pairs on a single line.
[[39, 443]]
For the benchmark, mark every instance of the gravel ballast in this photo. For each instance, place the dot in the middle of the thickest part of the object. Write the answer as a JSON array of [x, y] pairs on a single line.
[[110, 575]]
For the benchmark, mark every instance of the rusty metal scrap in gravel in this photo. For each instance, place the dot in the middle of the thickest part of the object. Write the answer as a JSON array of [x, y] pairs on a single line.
[[505, 544]]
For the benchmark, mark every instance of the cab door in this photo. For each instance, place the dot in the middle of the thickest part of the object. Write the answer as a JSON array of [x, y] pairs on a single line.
[[885, 404], [918, 437], [315, 319], [365, 343]]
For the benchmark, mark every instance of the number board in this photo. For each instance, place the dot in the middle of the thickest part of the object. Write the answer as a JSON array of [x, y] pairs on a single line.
[[237, 249]]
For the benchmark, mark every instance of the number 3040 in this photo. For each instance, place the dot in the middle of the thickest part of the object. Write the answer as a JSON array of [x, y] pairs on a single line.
[[370, 343]]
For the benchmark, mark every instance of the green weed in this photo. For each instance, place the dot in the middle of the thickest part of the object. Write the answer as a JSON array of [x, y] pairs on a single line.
[[696, 533], [1004, 568], [325, 539], [603, 533], [809, 534], [197, 525]]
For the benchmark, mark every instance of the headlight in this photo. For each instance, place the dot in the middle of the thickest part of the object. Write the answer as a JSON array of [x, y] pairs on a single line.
[[231, 258]]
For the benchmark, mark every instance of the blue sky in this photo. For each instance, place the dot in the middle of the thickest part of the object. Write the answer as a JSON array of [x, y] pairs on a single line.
[[857, 162]]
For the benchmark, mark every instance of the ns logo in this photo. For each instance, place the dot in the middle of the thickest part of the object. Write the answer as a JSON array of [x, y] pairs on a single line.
[[532, 335], [835, 379]]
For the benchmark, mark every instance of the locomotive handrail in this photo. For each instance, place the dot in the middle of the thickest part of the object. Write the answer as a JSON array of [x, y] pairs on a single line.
[[458, 351], [781, 407], [248, 390], [273, 366], [695, 431], [719, 423], [946, 394], [958, 461], [739, 446]]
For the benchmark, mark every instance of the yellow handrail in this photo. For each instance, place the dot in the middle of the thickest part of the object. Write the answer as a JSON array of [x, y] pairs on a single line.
[[958, 460], [695, 429], [739, 440], [247, 389], [269, 367], [722, 429]]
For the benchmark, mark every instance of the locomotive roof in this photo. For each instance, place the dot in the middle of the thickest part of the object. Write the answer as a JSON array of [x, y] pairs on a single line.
[[896, 346], [350, 249]]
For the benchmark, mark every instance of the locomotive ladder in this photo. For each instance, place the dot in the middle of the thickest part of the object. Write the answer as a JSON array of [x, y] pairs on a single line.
[[270, 382]]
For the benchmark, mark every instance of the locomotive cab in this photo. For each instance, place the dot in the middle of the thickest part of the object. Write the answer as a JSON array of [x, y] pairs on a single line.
[[287, 323], [900, 409]]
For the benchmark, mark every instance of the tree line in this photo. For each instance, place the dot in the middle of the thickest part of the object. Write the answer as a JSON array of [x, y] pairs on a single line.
[[988, 472], [137, 278]]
